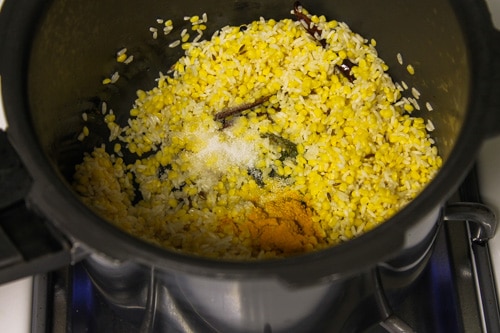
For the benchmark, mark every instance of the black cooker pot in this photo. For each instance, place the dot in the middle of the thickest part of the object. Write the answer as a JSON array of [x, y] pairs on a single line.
[[53, 56]]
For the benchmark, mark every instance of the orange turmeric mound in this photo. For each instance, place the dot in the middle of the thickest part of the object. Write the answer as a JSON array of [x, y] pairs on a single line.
[[284, 225]]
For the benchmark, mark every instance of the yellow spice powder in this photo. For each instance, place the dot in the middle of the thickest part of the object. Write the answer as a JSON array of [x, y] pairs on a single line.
[[284, 225]]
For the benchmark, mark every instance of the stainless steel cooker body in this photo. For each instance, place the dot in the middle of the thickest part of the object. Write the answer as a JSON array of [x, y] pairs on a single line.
[[53, 56]]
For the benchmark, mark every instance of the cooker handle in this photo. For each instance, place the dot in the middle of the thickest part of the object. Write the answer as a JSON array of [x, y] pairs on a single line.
[[28, 243], [484, 221], [481, 218]]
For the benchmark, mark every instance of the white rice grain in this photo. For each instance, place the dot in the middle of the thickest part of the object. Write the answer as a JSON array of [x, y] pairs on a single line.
[[114, 78], [122, 51], [415, 92], [429, 106], [400, 58], [198, 37], [129, 60], [430, 125], [174, 44], [104, 107], [167, 30]]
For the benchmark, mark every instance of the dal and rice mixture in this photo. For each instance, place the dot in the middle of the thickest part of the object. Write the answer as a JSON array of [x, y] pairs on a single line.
[[258, 146]]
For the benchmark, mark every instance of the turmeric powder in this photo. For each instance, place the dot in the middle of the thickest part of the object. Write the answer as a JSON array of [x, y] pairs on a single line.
[[283, 225]]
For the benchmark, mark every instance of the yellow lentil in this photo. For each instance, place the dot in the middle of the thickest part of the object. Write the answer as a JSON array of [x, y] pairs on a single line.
[[410, 69], [121, 58]]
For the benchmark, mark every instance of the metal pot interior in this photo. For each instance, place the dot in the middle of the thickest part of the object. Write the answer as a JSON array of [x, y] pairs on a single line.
[[75, 45]]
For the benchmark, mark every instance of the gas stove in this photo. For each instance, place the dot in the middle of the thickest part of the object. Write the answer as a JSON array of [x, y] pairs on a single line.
[[456, 291]]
